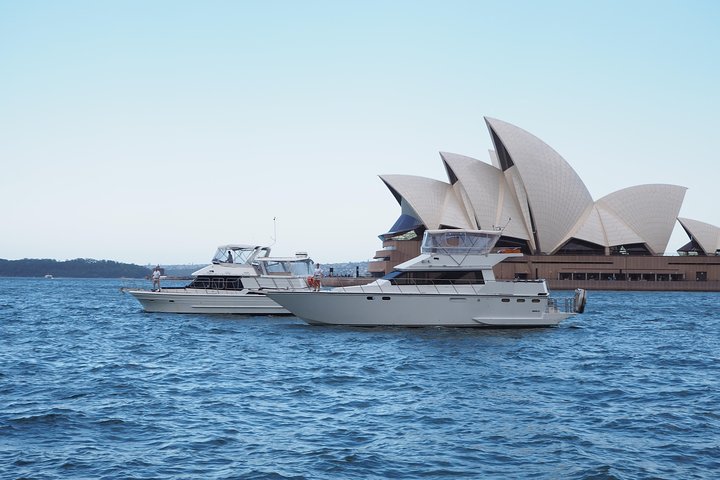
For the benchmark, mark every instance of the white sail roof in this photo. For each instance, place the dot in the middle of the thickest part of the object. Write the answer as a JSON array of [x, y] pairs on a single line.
[[707, 236], [434, 201], [556, 196], [650, 210], [590, 228], [485, 188], [617, 232], [547, 202]]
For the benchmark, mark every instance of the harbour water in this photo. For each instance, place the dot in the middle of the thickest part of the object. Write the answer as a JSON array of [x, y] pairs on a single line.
[[92, 387]]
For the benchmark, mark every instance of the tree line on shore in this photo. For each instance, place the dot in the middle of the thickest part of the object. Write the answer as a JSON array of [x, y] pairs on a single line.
[[77, 268]]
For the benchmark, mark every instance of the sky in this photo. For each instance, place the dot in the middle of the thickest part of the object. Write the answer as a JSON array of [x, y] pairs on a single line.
[[152, 132]]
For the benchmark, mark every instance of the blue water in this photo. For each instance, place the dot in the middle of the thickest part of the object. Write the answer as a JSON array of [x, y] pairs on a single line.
[[92, 387]]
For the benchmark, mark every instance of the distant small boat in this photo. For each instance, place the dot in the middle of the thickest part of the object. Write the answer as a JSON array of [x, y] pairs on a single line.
[[49, 276]]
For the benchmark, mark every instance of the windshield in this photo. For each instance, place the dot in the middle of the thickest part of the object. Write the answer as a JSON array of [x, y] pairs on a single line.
[[459, 241], [299, 268], [235, 254], [302, 268]]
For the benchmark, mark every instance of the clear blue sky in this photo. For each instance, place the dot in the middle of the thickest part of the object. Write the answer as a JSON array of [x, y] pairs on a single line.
[[150, 132]]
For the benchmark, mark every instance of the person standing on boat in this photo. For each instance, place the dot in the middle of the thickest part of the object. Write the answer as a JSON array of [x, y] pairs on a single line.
[[317, 277], [156, 278]]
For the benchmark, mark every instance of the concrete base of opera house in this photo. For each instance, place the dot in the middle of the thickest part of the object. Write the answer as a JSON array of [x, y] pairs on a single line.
[[618, 272], [637, 286], [594, 272], [627, 285]]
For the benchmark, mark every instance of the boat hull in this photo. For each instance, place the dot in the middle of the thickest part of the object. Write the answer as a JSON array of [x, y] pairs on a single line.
[[419, 310], [207, 301]]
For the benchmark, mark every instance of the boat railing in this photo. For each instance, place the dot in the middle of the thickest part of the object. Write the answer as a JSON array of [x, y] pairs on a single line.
[[560, 305], [575, 304], [452, 287], [455, 287], [279, 282]]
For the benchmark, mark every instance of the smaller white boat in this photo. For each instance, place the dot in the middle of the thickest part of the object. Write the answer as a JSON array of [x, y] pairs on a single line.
[[451, 283], [235, 282], [49, 277]]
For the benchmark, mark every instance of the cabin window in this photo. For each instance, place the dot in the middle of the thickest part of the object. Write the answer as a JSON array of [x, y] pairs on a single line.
[[233, 283], [217, 283], [200, 282], [506, 300], [472, 277], [520, 300], [535, 300]]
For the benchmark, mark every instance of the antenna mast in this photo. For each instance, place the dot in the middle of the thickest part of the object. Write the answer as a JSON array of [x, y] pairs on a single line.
[[502, 229], [274, 237]]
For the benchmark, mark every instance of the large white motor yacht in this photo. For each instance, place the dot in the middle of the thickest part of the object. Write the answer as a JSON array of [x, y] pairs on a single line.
[[451, 283], [235, 282]]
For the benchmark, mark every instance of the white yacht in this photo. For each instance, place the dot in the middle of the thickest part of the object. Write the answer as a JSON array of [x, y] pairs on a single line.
[[235, 282], [451, 283]]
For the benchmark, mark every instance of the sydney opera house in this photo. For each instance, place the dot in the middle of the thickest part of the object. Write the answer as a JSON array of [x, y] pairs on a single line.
[[545, 211]]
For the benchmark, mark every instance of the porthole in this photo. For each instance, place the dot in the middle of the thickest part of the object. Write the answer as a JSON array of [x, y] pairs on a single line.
[[536, 300], [520, 300], [386, 298], [370, 298], [505, 300]]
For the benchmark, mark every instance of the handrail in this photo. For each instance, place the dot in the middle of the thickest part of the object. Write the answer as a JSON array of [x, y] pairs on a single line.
[[263, 283], [433, 283], [445, 287], [452, 287], [560, 305]]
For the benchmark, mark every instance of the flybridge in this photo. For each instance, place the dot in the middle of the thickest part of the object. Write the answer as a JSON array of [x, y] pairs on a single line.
[[460, 242], [239, 254]]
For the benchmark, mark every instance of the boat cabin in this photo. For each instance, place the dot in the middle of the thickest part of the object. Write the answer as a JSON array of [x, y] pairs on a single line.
[[449, 257], [239, 267]]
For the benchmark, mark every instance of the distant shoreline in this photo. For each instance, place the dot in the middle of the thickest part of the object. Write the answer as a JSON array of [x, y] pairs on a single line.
[[77, 268], [91, 268]]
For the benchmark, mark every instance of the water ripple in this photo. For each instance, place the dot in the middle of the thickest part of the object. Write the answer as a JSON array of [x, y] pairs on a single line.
[[91, 387]]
